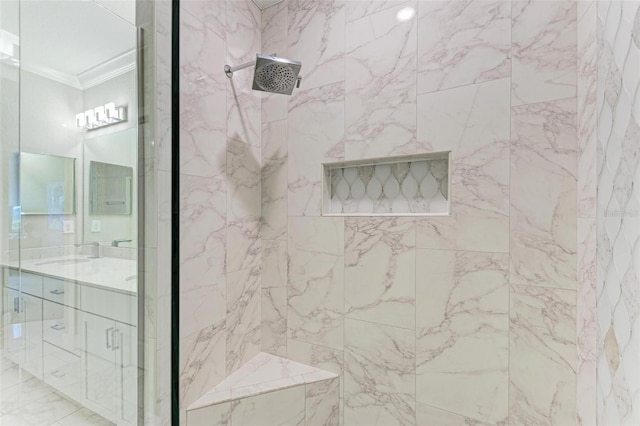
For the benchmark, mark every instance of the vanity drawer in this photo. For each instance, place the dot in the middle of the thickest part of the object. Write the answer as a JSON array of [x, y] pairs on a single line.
[[110, 304], [31, 283], [61, 291], [59, 326], [62, 370]]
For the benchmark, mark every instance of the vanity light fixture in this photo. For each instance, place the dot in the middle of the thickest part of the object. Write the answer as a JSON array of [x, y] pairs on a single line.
[[104, 115]]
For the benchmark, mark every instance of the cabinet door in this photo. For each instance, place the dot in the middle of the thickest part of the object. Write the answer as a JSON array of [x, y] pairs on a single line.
[[60, 326], [99, 360], [62, 370], [127, 351], [13, 323], [32, 307]]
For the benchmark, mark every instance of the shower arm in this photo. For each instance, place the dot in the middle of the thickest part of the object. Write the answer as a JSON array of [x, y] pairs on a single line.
[[229, 70]]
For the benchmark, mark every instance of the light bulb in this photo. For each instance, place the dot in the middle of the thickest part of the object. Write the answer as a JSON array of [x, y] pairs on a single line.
[[100, 115], [80, 120]]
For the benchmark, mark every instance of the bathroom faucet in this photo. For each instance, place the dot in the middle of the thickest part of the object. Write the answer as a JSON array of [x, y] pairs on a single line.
[[116, 243], [95, 249]]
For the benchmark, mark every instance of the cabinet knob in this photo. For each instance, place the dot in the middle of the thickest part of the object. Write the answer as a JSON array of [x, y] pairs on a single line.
[[57, 292], [57, 327]]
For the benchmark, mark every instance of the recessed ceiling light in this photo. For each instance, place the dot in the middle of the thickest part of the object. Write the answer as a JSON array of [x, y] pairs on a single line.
[[405, 14]]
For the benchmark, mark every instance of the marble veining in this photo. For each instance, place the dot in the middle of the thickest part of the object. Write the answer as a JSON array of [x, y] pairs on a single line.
[[380, 63], [587, 108], [202, 110], [282, 408], [316, 281], [542, 343], [243, 317], [274, 263], [314, 289], [544, 51], [360, 8], [274, 30], [473, 123], [212, 14], [244, 246], [322, 406], [316, 33], [543, 217], [202, 230], [274, 180], [618, 230], [462, 332], [379, 374], [380, 270], [243, 181], [427, 415], [243, 41], [315, 135], [462, 42], [274, 320], [202, 356], [586, 321]]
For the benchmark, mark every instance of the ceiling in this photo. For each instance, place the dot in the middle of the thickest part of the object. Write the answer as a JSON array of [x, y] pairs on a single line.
[[65, 39]]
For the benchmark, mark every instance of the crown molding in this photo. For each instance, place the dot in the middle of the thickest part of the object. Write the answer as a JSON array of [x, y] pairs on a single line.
[[93, 76], [51, 74], [109, 69]]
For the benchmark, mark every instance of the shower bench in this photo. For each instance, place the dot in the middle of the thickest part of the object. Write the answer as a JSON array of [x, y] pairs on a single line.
[[269, 390]]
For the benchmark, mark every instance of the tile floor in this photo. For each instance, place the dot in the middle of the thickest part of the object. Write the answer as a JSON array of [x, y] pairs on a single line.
[[27, 401]]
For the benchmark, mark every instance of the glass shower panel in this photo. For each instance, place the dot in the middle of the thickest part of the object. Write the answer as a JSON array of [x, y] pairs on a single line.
[[12, 339], [69, 217]]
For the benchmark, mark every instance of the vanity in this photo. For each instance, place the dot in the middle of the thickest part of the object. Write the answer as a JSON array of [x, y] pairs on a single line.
[[71, 322]]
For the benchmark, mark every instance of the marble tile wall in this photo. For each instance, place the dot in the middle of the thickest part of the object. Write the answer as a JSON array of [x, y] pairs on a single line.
[[306, 404], [618, 207], [220, 178], [440, 320], [586, 319]]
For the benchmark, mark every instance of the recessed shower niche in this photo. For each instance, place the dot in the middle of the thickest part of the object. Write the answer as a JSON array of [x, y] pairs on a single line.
[[416, 185]]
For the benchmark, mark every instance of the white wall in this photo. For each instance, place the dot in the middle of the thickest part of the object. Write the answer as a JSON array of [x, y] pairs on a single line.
[[47, 126], [116, 144]]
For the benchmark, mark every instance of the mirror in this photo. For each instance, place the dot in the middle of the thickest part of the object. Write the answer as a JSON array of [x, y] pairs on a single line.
[[110, 182], [110, 187], [47, 184]]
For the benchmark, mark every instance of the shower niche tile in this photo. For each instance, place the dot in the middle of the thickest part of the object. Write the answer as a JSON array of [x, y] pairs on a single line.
[[416, 185]]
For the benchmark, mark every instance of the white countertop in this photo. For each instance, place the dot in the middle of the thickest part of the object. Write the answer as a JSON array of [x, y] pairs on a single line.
[[112, 273]]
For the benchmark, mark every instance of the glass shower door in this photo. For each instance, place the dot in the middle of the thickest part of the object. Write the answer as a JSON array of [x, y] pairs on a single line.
[[69, 214], [13, 379]]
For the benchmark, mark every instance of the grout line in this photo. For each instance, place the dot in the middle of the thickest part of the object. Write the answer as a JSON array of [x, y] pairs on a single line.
[[463, 251], [460, 86], [415, 320], [555, 100], [508, 402]]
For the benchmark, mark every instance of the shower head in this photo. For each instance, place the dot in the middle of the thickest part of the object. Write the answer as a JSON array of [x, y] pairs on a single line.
[[272, 74]]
